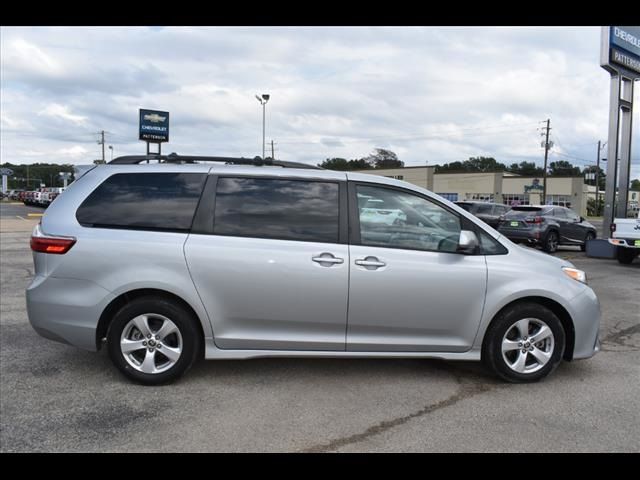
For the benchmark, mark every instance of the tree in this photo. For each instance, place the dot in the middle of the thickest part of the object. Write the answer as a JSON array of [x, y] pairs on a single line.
[[485, 164], [36, 173], [526, 168], [474, 164], [635, 185], [382, 158], [335, 164], [342, 164], [562, 168]]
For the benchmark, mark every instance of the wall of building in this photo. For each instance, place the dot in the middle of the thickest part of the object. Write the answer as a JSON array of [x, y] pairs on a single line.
[[497, 187], [470, 186]]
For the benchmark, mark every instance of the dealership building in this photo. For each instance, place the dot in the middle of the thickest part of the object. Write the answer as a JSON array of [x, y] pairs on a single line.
[[498, 187]]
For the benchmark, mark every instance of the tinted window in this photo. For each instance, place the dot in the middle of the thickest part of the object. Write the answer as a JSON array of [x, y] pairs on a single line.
[[393, 218], [484, 209], [466, 206], [279, 209], [158, 201]]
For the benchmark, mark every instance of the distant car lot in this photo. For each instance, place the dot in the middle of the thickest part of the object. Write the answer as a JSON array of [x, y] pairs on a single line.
[[58, 398]]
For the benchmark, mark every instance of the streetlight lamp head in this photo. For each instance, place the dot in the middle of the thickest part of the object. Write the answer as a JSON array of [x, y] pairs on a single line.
[[258, 98], [266, 97]]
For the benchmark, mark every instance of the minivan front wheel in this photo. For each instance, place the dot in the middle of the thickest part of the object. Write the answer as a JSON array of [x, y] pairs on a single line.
[[153, 340], [524, 344]]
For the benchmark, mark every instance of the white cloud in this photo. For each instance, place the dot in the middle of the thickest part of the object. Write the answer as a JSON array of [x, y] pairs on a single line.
[[436, 94], [62, 111]]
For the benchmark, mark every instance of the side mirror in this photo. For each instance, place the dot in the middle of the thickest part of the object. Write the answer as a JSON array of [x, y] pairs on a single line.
[[581, 219], [468, 242]]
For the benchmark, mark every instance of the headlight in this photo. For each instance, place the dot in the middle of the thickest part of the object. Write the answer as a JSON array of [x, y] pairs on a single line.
[[576, 274]]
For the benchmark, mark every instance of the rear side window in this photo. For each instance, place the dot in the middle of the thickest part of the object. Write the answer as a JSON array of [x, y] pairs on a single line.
[[149, 201], [484, 208], [277, 208]]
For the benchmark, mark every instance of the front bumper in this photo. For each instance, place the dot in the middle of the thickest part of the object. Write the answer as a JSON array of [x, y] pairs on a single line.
[[66, 310], [586, 314]]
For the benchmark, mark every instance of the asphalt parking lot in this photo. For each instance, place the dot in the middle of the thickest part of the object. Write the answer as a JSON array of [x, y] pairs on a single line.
[[57, 398]]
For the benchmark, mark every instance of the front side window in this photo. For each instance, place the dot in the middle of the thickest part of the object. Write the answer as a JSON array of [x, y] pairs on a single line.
[[398, 219], [154, 201], [559, 213], [277, 209]]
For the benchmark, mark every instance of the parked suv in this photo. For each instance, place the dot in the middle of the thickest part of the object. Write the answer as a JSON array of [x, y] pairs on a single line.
[[546, 226], [489, 213], [169, 262]]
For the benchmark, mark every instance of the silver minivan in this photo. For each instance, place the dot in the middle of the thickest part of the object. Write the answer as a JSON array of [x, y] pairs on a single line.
[[188, 257]]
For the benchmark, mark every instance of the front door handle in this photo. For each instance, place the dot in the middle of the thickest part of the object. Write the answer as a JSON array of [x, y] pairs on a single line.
[[370, 263], [327, 259]]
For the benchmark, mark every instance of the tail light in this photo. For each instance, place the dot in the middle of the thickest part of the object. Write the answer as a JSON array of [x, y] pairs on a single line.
[[536, 219], [49, 244]]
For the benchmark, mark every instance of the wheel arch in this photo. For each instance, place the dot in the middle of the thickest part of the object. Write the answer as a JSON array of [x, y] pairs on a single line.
[[558, 310], [126, 297]]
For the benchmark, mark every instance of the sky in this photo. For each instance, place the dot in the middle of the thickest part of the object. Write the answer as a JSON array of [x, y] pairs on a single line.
[[430, 94]]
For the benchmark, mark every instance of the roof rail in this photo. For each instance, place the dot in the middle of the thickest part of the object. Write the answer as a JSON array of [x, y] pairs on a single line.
[[175, 158]]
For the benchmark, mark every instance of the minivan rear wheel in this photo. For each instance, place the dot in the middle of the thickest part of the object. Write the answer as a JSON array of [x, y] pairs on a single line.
[[524, 344], [153, 340]]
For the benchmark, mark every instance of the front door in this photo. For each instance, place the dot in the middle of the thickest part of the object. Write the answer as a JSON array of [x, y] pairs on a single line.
[[408, 289], [273, 271]]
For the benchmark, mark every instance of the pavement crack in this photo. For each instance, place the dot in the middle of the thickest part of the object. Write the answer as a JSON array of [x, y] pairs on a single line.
[[621, 338], [466, 391]]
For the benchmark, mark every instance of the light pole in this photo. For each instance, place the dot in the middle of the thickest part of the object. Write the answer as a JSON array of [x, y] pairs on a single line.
[[263, 101], [111, 148]]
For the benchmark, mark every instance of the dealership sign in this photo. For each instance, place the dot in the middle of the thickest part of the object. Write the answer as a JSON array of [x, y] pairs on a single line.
[[154, 126], [621, 48], [535, 185]]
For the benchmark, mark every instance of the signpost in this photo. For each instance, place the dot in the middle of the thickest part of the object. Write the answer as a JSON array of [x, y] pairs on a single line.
[[65, 177], [620, 56], [153, 128], [5, 172]]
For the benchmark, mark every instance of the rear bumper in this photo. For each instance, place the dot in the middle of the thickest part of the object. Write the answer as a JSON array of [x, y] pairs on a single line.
[[529, 236], [66, 310], [624, 242]]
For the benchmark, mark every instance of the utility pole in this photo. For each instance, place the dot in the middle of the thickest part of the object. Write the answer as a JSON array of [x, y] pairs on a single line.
[[273, 156], [546, 156], [598, 178]]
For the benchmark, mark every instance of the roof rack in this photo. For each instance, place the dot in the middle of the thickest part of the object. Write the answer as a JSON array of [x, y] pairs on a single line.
[[175, 158]]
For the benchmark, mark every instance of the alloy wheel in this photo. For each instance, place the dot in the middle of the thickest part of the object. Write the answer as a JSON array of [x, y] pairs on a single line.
[[151, 343], [528, 345]]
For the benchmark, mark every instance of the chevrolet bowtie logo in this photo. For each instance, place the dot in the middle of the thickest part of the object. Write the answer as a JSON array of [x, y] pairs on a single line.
[[154, 117]]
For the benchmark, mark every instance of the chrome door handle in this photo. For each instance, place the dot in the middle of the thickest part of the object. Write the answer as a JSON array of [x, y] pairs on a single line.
[[370, 262], [327, 258]]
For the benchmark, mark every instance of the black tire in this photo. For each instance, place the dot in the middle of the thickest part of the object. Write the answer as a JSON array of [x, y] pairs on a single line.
[[492, 355], [551, 241], [590, 236], [626, 255], [188, 332]]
